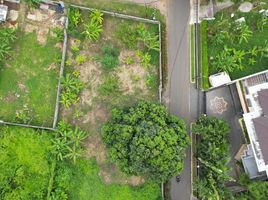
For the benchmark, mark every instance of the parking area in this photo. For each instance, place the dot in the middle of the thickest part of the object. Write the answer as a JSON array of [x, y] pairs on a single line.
[[224, 103]]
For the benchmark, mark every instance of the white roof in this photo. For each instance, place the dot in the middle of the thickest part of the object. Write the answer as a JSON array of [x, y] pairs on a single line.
[[3, 12], [219, 79]]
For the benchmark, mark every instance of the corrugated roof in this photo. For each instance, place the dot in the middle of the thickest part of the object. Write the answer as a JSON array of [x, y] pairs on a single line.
[[263, 99], [261, 127]]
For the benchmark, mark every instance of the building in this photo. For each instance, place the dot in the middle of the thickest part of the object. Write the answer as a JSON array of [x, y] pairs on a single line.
[[255, 101], [3, 13]]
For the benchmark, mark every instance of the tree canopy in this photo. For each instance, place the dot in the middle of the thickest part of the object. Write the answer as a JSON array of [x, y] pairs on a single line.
[[214, 155], [145, 140]]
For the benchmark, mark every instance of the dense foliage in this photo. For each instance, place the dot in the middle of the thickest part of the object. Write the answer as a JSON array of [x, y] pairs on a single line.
[[145, 140], [25, 163], [7, 37], [236, 46], [214, 155]]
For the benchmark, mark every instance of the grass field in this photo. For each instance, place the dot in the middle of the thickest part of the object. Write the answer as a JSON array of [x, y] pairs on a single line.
[[28, 81]]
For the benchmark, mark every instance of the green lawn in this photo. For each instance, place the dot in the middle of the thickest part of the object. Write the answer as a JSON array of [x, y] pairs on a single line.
[[85, 184], [28, 81], [204, 57], [258, 39], [26, 162]]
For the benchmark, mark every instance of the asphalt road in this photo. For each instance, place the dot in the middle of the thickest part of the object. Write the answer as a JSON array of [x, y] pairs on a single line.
[[179, 83]]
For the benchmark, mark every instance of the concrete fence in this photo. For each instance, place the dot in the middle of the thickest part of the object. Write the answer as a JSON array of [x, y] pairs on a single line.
[[56, 113]]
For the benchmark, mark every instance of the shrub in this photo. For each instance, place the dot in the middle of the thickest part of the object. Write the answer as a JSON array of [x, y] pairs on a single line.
[[109, 62], [129, 60], [110, 58], [59, 34], [109, 49], [109, 86], [81, 59], [127, 34]]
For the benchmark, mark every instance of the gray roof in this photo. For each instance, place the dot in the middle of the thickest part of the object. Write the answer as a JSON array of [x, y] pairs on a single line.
[[263, 100], [261, 127]]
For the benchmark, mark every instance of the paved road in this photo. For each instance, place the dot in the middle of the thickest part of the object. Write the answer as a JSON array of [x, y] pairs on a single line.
[[180, 87]]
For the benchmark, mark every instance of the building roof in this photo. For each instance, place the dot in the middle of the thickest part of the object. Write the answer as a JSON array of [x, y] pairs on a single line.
[[261, 127], [263, 100], [3, 12]]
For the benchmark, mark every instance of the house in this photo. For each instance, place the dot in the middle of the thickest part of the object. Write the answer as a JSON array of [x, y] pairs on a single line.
[[255, 101], [3, 13]]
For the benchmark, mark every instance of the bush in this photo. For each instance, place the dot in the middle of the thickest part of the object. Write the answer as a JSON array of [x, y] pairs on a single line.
[[110, 50], [110, 58], [109, 86], [127, 34]]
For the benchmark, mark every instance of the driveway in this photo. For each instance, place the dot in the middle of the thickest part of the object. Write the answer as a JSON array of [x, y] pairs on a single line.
[[224, 103]]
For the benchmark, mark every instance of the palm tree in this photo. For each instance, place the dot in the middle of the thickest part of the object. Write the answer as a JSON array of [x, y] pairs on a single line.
[[92, 31], [74, 153], [59, 148], [96, 16], [77, 136], [244, 33]]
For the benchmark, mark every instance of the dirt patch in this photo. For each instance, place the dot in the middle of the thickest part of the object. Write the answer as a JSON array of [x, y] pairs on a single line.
[[131, 76], [51, 67], [22, 87], [10, 98], [109, 172], [29, 28], [96, 148]]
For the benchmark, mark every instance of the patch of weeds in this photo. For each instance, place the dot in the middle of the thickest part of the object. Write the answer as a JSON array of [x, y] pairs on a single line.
[[127, 34], [77, 114], [76, 47], [110, 59], [129, 60], [151, 81], [80, 59], [59, 34], [23, 116], [109, 86], [146, 60], [71, 87]]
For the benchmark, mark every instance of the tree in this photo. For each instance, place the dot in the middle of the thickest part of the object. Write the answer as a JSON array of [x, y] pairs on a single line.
[[145, 140], [213, 155], [96, 16], [92, 31], [244, 33]]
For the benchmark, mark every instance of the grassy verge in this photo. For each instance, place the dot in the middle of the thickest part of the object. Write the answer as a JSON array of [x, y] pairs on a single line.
[[194, 160], [192, 54], [204, 50], [86, 184], [28, 81], [244, 130]]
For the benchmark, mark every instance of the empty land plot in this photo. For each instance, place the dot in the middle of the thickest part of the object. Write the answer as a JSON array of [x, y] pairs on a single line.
[[29, 77], [237, 42], [116, 70]]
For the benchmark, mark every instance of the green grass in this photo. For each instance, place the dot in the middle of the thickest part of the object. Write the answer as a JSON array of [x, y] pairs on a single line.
[[204, 50], [192, 54], [27, 83], [25, 163], [87, 185], [258, 39]]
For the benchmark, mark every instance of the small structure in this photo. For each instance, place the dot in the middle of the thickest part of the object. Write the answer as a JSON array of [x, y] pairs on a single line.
[[219, 79], [3, 13]]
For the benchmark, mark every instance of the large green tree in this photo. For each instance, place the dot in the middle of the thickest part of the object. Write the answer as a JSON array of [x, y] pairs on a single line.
[[145, 140]]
